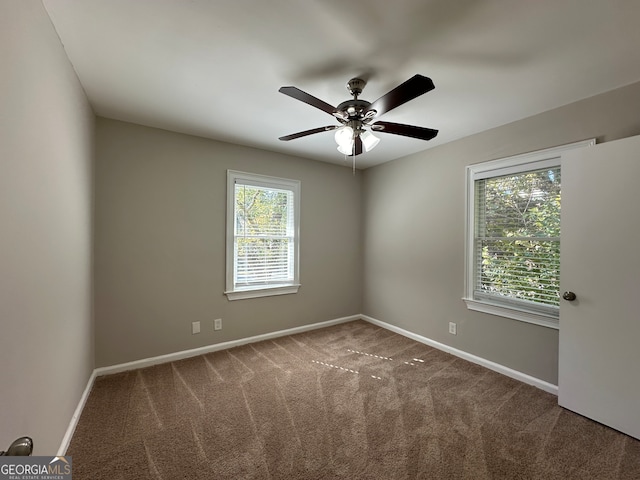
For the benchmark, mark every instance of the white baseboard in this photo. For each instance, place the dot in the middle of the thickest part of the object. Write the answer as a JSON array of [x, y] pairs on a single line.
[[172, 357], [66, 440], [509, 372]]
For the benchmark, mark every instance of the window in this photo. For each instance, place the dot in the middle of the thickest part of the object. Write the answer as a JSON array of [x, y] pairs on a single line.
[[262, 235], [513, 236]]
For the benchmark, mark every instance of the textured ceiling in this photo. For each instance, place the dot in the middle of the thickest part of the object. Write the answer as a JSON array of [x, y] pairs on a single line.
[[213, 67]]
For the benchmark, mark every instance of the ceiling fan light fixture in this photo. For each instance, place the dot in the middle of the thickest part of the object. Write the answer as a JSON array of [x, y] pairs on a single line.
[[346, 150], [344, 138], [369, 140]]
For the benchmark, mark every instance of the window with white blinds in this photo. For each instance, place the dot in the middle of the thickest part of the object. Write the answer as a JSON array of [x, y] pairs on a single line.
[[513, 236], [262, 235], [517, 239]]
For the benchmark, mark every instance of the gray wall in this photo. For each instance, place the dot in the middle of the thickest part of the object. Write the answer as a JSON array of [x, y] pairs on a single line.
[[46, 331], [160, 243], [414, 220]]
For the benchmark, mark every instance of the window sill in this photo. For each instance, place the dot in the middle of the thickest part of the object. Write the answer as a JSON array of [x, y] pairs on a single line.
[[513, 313], [262, 292]]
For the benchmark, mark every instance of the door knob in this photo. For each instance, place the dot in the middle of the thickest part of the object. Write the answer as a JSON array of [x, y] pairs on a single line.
[[569, 296], [20, 447]]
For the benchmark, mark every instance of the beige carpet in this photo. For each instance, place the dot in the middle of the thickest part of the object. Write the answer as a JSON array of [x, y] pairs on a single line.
[[352, 401]]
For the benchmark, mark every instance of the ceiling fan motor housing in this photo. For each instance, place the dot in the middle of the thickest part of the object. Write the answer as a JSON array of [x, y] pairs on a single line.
[[354, 109], [355, 86]]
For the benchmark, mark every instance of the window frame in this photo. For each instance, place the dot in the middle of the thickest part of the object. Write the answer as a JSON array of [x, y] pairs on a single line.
[[254, 291], [547, 158]]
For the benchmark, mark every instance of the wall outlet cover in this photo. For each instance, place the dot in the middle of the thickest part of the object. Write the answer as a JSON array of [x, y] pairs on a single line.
[[452, 328]]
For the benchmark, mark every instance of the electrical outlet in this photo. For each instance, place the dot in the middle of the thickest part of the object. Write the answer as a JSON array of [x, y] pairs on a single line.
[[195, 327], [453, 328], [217, 324]]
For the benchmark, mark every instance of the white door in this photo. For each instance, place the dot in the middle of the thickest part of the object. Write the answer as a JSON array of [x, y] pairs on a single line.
[[599, 363]]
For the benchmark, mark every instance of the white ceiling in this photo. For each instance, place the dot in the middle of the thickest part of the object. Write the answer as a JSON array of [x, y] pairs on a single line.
[[213, 67]]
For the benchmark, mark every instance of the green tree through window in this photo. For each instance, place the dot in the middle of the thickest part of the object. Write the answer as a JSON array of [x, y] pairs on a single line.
[[518, 236], [264, 235]]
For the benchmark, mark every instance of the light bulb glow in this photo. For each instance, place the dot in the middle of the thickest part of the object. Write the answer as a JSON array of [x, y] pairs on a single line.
[[344, 137]]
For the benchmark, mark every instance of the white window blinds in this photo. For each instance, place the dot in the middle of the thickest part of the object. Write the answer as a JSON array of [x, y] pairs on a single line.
[[517, 239], [264, 235]]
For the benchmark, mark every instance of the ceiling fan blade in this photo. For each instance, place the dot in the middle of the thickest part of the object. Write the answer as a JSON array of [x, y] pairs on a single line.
[[298, 94], [412, 88], [405, 130], [293, 136]]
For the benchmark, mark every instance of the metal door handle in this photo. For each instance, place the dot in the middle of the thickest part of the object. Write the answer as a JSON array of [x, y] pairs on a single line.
[[569, 296], [23, 446]]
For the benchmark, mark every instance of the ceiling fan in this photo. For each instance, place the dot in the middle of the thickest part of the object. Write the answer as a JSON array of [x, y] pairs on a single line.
[[357, 116]]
